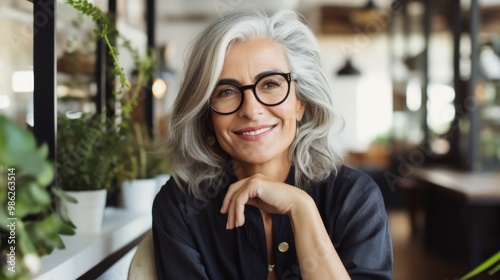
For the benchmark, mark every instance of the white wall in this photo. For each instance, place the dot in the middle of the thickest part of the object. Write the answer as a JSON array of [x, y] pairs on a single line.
[[179, 37], [365, 101]]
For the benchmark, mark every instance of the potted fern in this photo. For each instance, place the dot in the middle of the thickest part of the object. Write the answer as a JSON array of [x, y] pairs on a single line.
[[140, 165], [32, 224], [86, 161]]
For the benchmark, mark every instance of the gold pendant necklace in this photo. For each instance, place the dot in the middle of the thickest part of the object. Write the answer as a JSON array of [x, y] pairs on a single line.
[[270, 267]]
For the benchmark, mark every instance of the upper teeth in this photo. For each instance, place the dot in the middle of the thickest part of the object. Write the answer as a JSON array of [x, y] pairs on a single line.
[[256, 132]]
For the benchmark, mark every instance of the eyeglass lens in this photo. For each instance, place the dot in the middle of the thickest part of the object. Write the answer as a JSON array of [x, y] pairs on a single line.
[[269, 90]]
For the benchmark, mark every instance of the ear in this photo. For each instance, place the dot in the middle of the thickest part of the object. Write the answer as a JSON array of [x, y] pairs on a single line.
[[300, 109], [210, 124]]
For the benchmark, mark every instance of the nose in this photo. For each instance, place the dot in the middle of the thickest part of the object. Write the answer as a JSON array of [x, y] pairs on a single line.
[[251, 107]]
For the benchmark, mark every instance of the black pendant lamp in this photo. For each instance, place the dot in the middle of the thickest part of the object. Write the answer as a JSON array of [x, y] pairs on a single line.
[[348, 69]]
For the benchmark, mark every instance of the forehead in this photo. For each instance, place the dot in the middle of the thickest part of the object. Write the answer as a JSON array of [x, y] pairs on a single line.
[[253, 56], [254, 46]]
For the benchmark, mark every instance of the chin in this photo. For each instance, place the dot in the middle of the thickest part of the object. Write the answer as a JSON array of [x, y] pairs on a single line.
[[253, 159]]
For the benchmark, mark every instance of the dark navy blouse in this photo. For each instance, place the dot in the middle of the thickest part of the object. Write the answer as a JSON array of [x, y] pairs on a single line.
[[191, 240]]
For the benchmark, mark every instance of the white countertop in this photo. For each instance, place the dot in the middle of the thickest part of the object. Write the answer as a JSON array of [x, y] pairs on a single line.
[[84, 251]]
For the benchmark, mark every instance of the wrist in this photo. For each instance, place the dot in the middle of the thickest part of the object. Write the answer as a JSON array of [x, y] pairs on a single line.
[[304, 205]]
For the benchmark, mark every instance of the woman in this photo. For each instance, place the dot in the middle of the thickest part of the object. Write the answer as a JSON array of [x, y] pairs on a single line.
[[258, 191]]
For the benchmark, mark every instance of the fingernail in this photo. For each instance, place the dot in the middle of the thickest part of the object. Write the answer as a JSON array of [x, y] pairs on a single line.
[[221, 209], [227, 226]]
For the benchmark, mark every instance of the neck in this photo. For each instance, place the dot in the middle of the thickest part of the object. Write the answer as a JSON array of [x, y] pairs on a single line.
[[274, 170]]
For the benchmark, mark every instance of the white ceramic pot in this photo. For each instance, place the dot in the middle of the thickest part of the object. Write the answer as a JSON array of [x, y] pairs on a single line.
[[138, 195], [88, 213]]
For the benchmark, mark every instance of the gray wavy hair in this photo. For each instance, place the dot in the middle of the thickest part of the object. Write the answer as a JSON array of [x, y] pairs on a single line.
[[194, 162]]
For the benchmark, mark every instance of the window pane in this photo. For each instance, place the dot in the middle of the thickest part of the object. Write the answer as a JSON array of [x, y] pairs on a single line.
[[16, 59]]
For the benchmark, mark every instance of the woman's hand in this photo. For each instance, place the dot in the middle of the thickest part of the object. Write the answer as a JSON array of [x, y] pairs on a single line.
[[317, 256], [262, 192]]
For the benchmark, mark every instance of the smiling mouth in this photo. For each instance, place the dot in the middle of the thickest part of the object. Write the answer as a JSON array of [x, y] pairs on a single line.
[[257, 131]]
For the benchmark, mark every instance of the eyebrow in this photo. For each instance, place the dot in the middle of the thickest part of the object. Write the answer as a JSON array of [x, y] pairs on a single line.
[[258, 76]]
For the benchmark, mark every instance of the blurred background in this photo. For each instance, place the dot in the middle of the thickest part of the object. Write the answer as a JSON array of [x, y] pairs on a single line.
[[417, 82]]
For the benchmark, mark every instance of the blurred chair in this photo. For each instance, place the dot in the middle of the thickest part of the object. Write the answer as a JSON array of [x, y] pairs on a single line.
[[143, 265]]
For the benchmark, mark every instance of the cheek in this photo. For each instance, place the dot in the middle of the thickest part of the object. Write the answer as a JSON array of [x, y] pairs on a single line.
[[220, 125], [291, 111], [299, 110]]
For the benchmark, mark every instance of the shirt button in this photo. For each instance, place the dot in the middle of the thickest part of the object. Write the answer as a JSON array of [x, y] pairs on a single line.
[[283, 247]]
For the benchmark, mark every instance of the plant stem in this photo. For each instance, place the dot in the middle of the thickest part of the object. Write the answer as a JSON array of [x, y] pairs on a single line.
[[482, 267]]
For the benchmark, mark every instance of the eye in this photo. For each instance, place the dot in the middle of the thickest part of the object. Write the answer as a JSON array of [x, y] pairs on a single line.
[[226, 92], [222, 91], [271, 84]]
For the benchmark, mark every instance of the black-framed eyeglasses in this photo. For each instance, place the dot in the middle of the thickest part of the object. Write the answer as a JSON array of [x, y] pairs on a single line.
[[271, 90]]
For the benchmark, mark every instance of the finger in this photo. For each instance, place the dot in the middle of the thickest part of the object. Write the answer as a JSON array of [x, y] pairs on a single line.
[[241, 199], [229, 195], [236, 208], [247, 194], [228, 203]]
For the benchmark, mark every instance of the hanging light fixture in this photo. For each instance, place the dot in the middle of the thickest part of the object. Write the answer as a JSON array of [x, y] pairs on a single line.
[[159, 88], [369, 13], [348, 69], [165, 72]]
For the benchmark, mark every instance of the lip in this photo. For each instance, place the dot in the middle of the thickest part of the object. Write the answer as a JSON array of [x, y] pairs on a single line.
[[255, 132]]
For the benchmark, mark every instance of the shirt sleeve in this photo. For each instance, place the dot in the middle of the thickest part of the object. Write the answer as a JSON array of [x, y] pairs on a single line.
[[176, 255], [362, 234]]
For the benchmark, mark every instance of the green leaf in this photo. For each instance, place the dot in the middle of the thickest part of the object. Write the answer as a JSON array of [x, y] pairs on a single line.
[[64, 196], [14, 141], [26, 205], [482, 267], [45, 174], [43, 150], [24, 238], [39, 195], [67, 227], [494, 270], [45, 233], [3, 217], [30, 163]]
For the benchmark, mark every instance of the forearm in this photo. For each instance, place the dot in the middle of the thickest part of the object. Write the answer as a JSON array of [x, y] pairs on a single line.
[[316, 254]]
